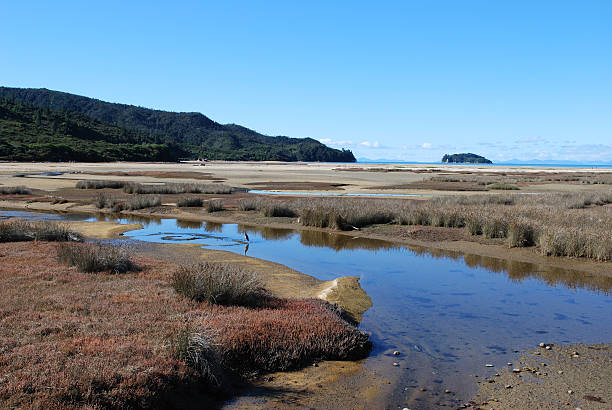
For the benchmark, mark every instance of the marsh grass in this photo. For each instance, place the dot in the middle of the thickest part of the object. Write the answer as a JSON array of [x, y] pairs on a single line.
[[214, 205], [218, 283], [197, 350], [177, 188], [502, 186], [99, 184], [189, 202], [22, 231], [268, 207], [91, 258], [15, 190], [142, 201]]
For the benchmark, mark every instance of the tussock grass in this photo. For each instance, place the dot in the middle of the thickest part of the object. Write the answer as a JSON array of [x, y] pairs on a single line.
[[197, 350], [502, 186], [15, 190], [189, 202], [177, 188], [99, 184], [21, 231], [219, 283], [268, 207], [562, 218], [96, 258], [214, 205], [143, 201]]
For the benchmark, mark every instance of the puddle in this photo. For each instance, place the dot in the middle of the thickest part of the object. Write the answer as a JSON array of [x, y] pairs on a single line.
[[447, 313]]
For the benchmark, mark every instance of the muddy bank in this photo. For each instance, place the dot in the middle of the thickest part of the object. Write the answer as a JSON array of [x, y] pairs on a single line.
[[572, 376], [279, 279]]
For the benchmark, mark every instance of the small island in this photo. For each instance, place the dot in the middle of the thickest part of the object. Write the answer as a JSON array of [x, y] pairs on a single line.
[[465, 158]]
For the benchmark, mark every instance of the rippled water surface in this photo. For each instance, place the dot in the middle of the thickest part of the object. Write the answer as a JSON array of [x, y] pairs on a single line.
[[448, 314]]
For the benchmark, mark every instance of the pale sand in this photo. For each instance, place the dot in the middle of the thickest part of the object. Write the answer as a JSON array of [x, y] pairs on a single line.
[[242, 173]]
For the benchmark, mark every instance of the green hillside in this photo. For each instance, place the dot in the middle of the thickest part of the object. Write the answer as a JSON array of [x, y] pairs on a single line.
[[35, 122]]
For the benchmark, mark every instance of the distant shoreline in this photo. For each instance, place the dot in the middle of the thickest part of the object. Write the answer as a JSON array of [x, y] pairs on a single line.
[[498, 164]]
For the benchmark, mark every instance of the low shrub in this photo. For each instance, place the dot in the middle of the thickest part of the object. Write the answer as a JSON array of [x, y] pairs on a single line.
[[96, 258], [21, 231], [214, 205], [99, 184], [15, 190], [220, 283], [284, 334], [189, 202]]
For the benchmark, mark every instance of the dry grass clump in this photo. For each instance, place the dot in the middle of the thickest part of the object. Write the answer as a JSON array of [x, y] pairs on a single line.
[[105, 201], [22, 231], [189, 202], [344, 214], [249, 204], [196, 349], [502, 186], [142, 201], [575, 225], [268, 207], [285, 334], [99, 184], [91, 258], [15, 190], [177, 188], [220, 283], [214, 205]]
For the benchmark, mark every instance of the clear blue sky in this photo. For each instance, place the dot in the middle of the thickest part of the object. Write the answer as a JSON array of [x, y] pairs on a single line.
[[401, 80]]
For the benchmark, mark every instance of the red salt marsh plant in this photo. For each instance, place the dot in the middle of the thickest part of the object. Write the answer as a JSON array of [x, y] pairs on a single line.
[[130, 341]]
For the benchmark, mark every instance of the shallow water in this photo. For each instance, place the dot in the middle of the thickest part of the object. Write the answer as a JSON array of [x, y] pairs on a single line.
[[448, 314]]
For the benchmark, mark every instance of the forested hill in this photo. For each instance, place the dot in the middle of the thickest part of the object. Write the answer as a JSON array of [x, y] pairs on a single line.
[[465, 158], [164, 134]]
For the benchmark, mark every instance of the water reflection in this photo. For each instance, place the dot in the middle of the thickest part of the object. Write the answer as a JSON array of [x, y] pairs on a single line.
[[184, 224], [447, 312]]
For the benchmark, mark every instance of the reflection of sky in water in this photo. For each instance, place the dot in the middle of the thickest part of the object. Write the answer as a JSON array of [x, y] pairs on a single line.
[[448, 316]]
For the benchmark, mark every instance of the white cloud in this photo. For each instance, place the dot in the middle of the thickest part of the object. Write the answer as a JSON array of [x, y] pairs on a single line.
[[427, 145], [370, 144]]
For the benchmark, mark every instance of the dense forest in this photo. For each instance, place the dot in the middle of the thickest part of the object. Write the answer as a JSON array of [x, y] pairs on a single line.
[[40, 124], [465, 158]]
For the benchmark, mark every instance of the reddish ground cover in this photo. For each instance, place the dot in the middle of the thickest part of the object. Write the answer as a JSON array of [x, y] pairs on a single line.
[[100, 340]]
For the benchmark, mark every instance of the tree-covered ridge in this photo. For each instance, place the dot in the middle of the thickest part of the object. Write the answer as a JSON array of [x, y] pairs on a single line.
[[28, 133], [193, 133], [465, 158]]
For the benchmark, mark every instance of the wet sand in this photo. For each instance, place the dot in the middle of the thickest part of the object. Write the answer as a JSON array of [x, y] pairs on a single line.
[[572, 376]]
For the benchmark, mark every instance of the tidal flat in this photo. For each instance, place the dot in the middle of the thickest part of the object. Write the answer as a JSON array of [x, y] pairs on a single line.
[[505, 298]]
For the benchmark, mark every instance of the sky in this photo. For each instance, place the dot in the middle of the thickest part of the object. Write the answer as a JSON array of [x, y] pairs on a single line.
[[399, 80]]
